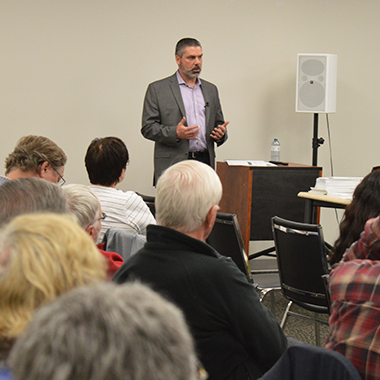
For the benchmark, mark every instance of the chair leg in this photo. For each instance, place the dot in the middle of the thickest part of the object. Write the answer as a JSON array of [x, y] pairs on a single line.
[[272, 301], [285, 316], [317, 331], [263, 293]]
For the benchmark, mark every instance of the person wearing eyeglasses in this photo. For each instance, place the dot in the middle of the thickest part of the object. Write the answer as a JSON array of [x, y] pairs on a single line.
[[35, 156], [85, 206]]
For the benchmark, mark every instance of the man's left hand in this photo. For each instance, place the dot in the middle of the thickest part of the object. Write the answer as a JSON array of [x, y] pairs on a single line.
[[219, 131]]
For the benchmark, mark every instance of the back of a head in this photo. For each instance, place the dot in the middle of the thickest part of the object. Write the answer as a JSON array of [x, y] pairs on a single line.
[[42, 256], [29, 195], [32, 151], [107, 331], [365, 205], [82, 203], [105, 159], [367, 195], [185, 194]]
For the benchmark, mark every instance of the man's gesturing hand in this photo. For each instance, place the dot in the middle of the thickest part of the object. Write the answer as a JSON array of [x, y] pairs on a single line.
[[219, 131], [186, 133]]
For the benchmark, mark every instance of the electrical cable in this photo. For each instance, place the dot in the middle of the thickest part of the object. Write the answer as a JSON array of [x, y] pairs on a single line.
[[329, 137], [331, 160]]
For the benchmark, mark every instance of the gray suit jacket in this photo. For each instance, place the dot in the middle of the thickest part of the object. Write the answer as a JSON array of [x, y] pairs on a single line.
[[164, 109]]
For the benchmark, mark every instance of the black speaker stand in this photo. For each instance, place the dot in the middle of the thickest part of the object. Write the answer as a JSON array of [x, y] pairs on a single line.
[[317, 142]]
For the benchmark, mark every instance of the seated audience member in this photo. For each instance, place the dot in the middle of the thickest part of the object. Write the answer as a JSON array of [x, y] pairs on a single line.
[[235, 335], [106, 332], [29, 195], [106, 163], [355, 303], [365, 205], [85, 206], [41, 257], [35, 156]]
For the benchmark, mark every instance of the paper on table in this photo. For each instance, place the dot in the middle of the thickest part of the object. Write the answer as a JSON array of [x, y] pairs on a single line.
[[338, 187], [249, 163]]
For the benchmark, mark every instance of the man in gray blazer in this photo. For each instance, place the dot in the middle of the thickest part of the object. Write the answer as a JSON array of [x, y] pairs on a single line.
[[182, 113]]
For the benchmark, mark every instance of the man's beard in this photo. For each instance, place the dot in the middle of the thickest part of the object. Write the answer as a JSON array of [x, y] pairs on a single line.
[[191, 73]]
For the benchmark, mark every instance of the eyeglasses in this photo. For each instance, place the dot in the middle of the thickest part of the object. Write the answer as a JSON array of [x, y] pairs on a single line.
[[61, 181], [104, 215]]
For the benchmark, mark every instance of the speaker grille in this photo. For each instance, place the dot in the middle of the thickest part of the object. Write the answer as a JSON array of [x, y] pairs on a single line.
[[313, 67], [312, 94], [316, 83], [311, 83]]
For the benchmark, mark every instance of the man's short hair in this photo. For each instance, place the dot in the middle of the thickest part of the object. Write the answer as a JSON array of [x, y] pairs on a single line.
[[82, 203], [32, 151], [107, 331], [184, 43], [185, 194], [42, 256], [29, 195], [105, 159]]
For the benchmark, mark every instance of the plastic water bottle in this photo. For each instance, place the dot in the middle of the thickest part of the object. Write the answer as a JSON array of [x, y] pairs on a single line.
[[275, 150]]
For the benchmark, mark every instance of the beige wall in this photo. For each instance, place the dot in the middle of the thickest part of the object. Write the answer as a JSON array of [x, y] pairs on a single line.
[[74, 70]]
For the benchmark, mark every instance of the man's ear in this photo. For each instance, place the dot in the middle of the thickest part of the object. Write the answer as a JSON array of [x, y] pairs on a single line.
[[91, 231], [210, 220], [43, 168]]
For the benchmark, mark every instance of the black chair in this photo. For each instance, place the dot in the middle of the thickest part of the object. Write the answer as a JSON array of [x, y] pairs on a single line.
[[302, 361], [226, 238], [149, 200], [301, 259]]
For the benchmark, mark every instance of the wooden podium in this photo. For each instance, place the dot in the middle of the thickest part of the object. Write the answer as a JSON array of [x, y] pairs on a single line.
[[257, 193]]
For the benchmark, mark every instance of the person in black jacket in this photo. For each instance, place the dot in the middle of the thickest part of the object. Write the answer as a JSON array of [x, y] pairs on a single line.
[[236, 336]]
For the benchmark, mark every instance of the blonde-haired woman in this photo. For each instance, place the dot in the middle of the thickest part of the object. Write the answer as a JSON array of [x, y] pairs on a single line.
[[41, 257]]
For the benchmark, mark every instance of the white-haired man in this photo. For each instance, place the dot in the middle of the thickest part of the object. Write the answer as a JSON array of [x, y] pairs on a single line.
[[85, 206], [235, 335]]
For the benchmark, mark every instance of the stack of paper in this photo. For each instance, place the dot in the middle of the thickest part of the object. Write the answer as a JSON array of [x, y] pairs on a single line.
[[249, 163], [340, 187]]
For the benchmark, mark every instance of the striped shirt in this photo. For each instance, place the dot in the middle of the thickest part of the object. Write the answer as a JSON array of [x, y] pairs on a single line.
[[125, 210], [355, 303]]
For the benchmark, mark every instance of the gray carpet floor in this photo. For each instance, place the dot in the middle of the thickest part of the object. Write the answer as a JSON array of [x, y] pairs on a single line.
[[295, 327]]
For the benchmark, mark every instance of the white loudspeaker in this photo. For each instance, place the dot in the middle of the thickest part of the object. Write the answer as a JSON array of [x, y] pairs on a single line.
[[316, 83]]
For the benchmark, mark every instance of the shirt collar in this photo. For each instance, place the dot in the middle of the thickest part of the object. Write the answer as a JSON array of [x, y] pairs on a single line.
[[181, 81]]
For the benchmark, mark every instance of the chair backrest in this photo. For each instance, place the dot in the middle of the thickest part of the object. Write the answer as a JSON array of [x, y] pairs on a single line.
[[301, 259], [149, 200], [226, 238], [304, 361]]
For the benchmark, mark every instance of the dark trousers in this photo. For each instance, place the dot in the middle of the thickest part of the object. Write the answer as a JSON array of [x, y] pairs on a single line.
[[200, 156]]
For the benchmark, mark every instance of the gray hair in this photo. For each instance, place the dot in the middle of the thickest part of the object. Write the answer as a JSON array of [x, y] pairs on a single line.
[[184, 43], [29, 195], [106, 331], [185, 194], [82, 203]]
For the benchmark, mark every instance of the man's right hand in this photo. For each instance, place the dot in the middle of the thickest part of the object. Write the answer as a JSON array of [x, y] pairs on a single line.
[[186, 133]]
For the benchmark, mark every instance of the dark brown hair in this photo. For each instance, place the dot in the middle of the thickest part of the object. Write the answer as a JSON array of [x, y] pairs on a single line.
[[365, 205], [105, 159]]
